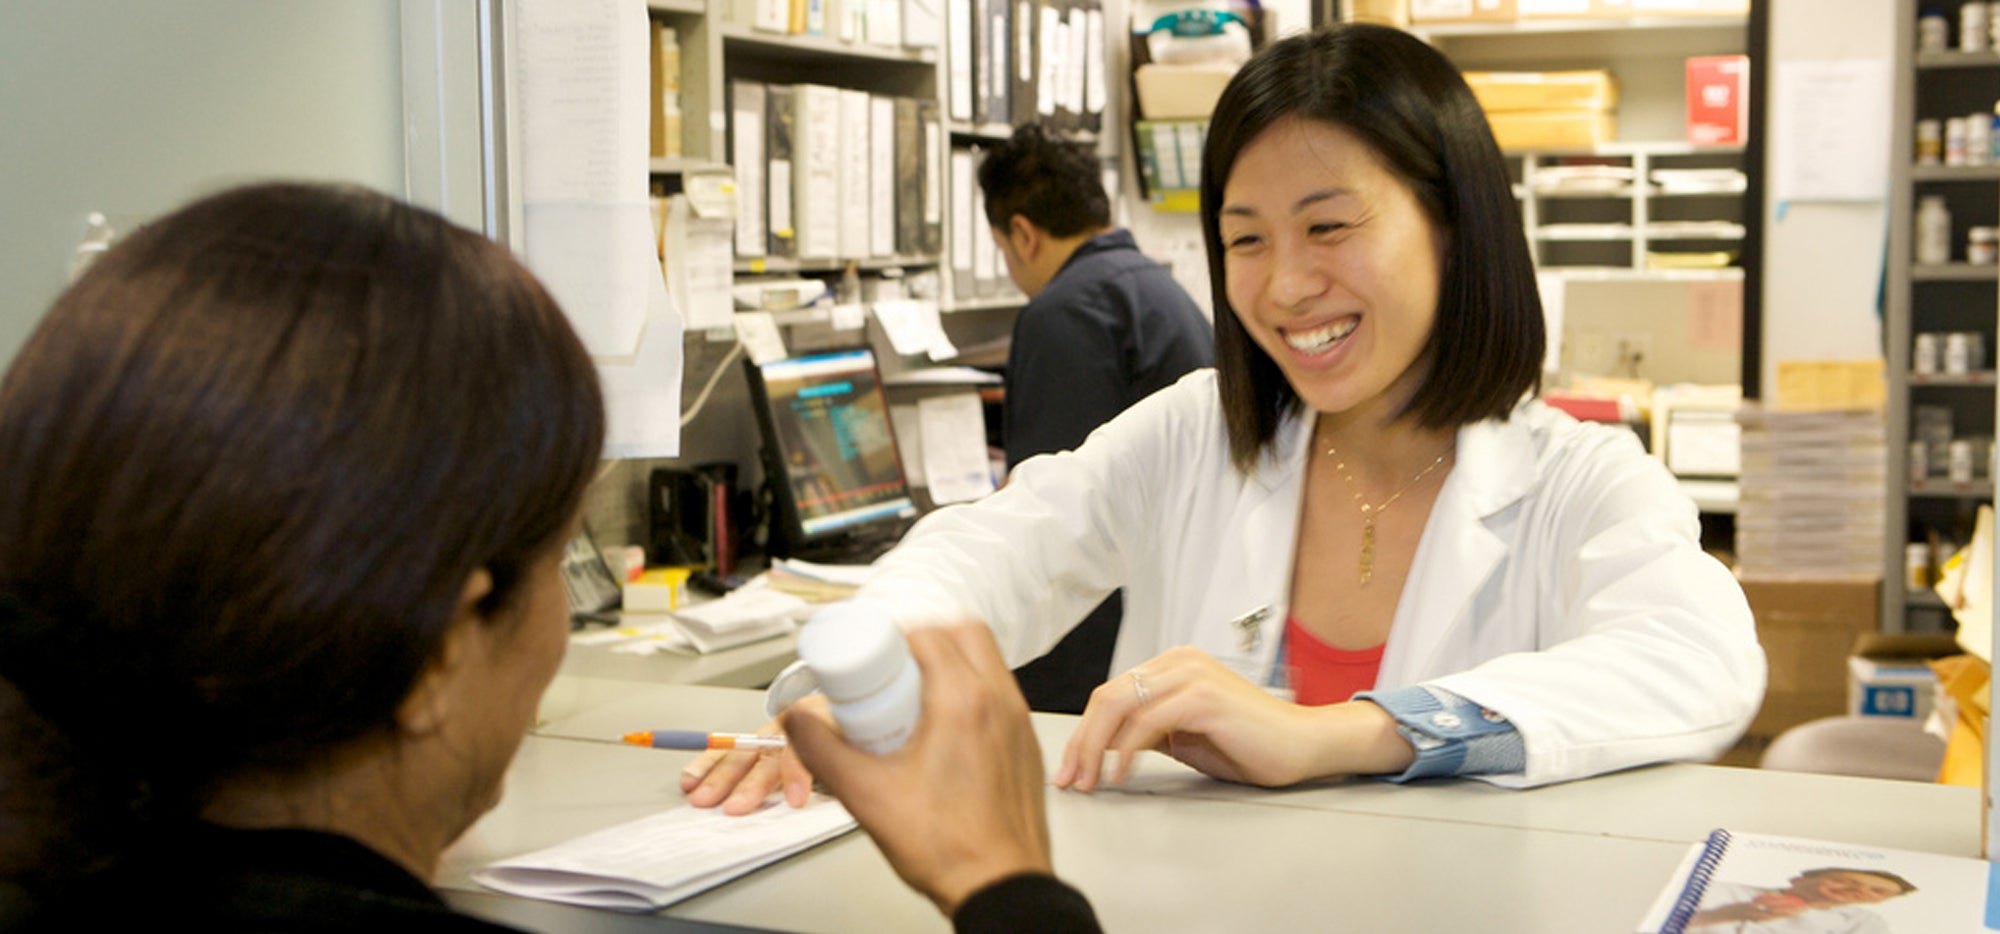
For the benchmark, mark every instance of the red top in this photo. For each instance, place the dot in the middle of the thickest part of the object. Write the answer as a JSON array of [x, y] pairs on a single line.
[[1322, 674]]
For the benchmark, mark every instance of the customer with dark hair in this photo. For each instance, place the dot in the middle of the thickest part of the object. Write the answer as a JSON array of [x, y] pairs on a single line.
[[1104, 327], [289, 474], [1360, 510]]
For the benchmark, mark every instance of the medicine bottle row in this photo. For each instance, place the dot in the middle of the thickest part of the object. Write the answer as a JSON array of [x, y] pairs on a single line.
[[1973, 139], [1955, 353], [1936, 453], [1932, 243], [1978, 29]]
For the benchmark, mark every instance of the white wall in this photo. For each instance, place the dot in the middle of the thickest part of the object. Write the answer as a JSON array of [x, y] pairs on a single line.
[[130, 107], [1824, 262]]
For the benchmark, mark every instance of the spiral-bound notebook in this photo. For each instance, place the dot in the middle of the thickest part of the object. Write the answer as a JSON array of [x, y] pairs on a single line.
[[1748, 883]]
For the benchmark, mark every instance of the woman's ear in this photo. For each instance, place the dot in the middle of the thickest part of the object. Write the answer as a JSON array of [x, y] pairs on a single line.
[[429, 702]]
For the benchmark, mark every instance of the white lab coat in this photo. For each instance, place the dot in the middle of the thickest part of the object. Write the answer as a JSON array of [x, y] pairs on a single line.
[[1560, 580]]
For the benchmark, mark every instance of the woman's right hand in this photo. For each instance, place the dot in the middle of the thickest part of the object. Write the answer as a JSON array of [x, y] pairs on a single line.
[[962, 804], [741, 780]]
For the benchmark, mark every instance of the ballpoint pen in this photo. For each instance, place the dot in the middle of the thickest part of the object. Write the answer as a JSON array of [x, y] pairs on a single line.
[[696, 739]]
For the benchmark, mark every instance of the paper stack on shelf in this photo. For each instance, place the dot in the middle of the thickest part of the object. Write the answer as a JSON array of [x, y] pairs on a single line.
[[750, 613], [1813, 494], [1700, 181], [817, 583], [1582, 178]]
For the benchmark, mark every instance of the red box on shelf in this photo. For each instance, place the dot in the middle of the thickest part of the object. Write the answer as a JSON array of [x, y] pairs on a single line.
[[1718, 98]]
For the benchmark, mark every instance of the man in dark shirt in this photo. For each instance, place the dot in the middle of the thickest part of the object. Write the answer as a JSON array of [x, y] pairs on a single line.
[[1104, 327]]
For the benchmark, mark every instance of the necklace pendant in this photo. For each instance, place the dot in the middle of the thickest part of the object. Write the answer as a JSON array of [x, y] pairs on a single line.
[[1367, 551]]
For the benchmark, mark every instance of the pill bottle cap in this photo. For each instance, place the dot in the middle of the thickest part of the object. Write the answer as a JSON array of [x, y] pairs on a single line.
[[854, 648]]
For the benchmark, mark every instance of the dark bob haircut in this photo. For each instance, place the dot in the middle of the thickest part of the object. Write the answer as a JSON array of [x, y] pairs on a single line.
[[1048, 180], [1411, 107], [252, 457]]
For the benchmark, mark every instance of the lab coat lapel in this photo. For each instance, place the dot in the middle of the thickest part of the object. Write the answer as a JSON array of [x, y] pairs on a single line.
[[1253, 587], [1459, 552]]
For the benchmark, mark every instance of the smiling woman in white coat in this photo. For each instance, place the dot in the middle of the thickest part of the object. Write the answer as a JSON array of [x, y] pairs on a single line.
[[1358, 546]]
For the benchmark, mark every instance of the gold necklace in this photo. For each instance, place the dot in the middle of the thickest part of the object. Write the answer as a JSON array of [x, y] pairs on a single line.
[[1368, 513]]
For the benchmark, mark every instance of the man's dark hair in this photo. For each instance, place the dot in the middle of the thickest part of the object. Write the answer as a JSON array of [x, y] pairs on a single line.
[[1046, 179]]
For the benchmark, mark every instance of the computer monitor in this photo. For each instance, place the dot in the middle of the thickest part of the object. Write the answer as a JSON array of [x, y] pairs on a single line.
[[830, 462]]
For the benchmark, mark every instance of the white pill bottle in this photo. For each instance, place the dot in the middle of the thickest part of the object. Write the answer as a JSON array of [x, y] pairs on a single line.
[[854, 654]]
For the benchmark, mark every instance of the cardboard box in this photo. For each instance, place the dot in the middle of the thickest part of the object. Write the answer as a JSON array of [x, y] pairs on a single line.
[[1552, 129], [1889, 675], [1808, 629], [1180, 92], [1385, 12], [1463, 11], [1718, 99], [1543, 90]]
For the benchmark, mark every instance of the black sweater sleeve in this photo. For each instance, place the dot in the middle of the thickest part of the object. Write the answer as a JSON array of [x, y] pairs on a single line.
[[1032, 902]]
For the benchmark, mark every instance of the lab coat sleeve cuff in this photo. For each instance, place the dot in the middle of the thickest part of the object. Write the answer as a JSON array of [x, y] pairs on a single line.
[[1452, 735]]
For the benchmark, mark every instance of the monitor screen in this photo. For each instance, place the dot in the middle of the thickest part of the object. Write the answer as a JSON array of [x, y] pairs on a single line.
[[828, 449]]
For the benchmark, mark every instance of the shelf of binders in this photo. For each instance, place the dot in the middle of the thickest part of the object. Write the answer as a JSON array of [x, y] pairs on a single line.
[[805, 49], [995, 132], [836, 175]]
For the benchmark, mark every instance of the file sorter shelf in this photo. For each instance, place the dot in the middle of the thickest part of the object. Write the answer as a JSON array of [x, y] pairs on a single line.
[[1614, 226]]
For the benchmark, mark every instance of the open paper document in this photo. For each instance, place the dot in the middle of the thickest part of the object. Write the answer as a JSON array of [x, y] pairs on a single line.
[[655, 861]]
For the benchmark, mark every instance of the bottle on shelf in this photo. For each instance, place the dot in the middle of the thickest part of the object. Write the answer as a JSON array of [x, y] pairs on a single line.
[[1933, 241], [848, 290]]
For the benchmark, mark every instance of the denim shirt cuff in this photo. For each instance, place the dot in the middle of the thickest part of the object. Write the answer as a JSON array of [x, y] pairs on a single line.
[[1452, 735]]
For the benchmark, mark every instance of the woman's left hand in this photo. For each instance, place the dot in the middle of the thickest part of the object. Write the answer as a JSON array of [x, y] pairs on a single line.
[[1186, 704]]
